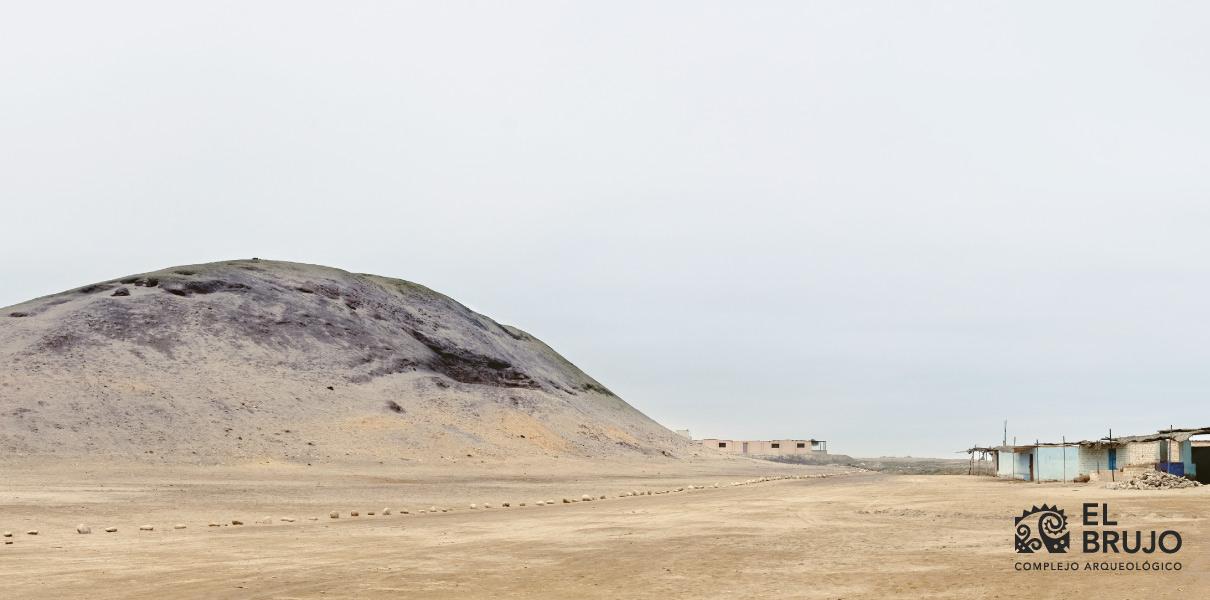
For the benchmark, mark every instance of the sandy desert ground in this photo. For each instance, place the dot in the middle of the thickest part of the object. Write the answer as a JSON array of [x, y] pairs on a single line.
[[847, 535]]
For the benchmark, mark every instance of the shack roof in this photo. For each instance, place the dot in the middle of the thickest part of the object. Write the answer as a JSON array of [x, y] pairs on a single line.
[[1175, 434], [1178, 435]]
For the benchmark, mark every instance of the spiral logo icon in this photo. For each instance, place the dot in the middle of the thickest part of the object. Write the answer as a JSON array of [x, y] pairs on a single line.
[[1040, 528]]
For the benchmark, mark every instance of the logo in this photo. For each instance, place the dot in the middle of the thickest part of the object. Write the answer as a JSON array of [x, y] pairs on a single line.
[[1044, 527], [1105, 546]]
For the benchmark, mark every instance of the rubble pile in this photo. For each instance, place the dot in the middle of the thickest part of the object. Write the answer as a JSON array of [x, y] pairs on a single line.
[[1154, 480]]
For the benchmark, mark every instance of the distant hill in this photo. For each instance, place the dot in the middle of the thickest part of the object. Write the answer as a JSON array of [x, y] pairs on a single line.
[[267, 359]]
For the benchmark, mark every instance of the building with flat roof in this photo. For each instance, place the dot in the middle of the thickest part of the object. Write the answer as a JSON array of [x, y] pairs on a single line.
[[1169, 450], [767, 447]]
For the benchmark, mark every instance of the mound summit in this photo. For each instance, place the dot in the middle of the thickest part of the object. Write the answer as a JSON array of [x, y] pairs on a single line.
[[266, 359]]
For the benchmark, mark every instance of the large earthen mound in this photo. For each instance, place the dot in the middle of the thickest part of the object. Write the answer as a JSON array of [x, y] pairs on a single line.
[[256, 358]]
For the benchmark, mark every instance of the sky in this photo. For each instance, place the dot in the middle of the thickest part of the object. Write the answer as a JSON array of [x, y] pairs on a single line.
[[890, 225]]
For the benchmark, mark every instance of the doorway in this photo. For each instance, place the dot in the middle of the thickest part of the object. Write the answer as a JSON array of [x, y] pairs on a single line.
[[1113, 459], [1200, 455]]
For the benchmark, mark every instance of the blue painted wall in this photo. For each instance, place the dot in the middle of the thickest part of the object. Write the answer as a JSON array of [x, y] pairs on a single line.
[[1014, 465], [1005, 466], [1057, 464], [1187, 458], [1023, 465]]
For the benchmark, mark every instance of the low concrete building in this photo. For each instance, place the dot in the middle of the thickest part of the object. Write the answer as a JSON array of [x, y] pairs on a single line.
[[1045, 462], [767, 447], [1169, 450]]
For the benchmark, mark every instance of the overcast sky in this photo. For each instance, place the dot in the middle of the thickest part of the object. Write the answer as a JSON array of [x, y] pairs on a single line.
[[890, 225]]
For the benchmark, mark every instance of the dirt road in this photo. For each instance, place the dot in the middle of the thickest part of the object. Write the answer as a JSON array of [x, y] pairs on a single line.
[[848, 536]]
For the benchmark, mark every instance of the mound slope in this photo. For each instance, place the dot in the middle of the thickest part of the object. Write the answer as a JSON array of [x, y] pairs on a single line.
[[268, 359]]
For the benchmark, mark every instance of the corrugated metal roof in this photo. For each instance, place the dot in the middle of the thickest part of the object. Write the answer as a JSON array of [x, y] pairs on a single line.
[[1178, 435]]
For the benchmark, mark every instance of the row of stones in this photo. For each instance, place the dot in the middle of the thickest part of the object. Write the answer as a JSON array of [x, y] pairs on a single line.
[[85, 529]]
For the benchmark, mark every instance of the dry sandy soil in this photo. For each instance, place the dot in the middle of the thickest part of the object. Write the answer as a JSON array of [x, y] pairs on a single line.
[[856, 535]]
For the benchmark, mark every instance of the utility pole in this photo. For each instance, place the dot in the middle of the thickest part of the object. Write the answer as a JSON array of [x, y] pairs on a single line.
[[1005, 443]]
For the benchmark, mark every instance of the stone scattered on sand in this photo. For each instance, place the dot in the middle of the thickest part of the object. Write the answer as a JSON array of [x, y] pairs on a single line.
[[602, 497], [32, 532], [586, 498], [146, 528], [386, 512], [236, 522], [474, 506], [179, 526], [111, 530], [486, 505], [550, 501], [8, 534], [334, 515], [354, 514], [83, 529], [432, 509], [1154, 480], [213, 524], [370, 513], [287, 519], [505, 504]]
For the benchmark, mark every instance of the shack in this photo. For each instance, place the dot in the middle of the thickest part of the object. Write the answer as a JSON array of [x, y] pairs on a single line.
[[1170, 450]]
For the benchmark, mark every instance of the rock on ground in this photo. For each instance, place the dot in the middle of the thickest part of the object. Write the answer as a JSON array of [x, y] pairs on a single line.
[[1154, 480]]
